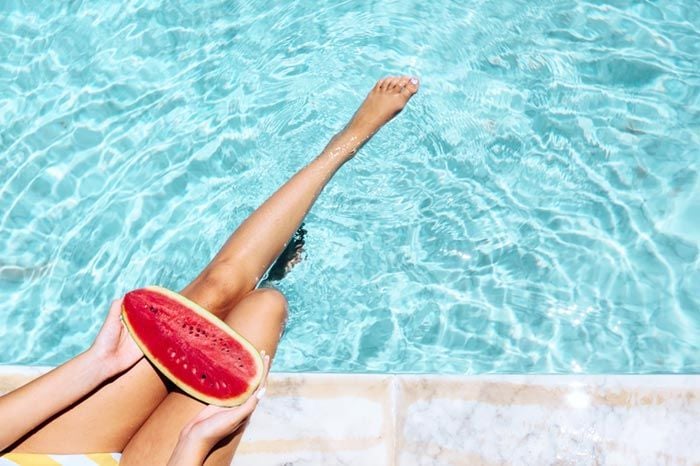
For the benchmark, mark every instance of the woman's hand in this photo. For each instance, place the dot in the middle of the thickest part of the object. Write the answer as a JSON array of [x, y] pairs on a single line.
[[213, 423], [113, 345], [32, 404]]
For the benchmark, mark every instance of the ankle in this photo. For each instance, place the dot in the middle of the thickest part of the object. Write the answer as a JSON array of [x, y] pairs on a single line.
[[344, 145]]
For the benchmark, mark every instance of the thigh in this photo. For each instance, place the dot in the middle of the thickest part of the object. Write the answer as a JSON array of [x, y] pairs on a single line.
[[260, 318], [105, 420]]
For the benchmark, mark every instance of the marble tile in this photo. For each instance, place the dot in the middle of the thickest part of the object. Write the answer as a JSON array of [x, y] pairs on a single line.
[[322, 419], [365, 456], [518, 420]]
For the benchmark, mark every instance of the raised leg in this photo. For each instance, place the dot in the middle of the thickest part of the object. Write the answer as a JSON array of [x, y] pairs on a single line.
[[253, 247], [106, 420]]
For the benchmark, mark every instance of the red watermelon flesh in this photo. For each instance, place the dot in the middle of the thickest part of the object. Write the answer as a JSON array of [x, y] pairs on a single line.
[[193, 348]]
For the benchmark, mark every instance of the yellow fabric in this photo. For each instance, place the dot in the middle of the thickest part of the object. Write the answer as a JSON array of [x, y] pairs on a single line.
[[32, 459], [103, 459], [26, 459]]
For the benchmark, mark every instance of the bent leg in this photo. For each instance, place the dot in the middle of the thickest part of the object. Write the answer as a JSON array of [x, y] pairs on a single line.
[[260, 318]]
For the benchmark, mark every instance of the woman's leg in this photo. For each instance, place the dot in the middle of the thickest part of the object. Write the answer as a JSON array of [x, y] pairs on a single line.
[[272, 224], [108, 418], [248, 253]]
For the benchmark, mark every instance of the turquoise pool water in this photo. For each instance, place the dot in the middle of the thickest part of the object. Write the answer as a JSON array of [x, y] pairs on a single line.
[[536, 209]]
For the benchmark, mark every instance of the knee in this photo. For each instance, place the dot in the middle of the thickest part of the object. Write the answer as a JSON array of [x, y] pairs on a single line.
[[272, 304], [220, 287]]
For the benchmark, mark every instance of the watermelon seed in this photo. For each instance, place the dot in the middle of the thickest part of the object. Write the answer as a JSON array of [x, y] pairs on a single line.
[[204, 376]]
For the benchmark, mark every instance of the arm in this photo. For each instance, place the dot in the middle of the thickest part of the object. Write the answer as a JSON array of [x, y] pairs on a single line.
[[112, 352], [212, 424]]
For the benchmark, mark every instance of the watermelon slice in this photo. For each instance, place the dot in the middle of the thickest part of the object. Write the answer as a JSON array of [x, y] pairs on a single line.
[[195, 350]]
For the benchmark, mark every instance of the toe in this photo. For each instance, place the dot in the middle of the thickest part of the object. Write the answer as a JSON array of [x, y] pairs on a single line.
[[411, 86], [384, 83], [393, 84]]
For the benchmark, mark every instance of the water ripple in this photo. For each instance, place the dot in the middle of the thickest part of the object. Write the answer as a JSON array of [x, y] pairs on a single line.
[[535, 210]]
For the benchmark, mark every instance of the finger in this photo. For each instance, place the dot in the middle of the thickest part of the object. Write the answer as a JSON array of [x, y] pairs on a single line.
[[241, 410], [206, 412], [266, 366], [233, 417], [113, 315], [247, 410], [266, 371], [115, 308]]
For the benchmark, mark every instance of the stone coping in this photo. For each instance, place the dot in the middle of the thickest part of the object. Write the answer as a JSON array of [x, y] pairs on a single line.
[[436, 420]]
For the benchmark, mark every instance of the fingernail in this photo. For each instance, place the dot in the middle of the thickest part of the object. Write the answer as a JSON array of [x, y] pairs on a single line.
[[263, 353], [261, 393]]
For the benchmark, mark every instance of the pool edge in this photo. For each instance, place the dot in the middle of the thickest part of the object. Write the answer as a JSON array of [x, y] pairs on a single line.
[[316, 418]]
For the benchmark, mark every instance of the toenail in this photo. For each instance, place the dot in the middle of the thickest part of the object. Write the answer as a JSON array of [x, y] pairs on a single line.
[[414, 80]]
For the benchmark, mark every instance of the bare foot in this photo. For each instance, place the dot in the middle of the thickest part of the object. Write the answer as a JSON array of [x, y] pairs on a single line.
[[386, 99]]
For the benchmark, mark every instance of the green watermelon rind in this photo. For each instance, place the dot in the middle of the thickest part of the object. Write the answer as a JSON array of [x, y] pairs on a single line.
[[190, 390]]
